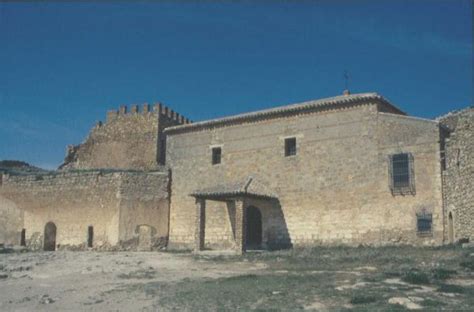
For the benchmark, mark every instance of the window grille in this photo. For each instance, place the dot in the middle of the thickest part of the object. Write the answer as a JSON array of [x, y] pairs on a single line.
[[290, 147], [424, 223], [402, 174], [216, 155]]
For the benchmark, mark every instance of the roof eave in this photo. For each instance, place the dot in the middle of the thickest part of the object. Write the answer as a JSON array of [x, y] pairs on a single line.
[[229, 196], [290, 110]]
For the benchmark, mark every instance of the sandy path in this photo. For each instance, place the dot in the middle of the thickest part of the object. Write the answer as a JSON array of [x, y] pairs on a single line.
[[97, 281]]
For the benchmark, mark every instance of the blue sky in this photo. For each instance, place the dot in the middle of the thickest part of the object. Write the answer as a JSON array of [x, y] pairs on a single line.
[[63, 65]]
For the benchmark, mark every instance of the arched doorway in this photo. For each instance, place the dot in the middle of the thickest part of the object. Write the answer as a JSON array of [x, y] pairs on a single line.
[[49, 237], [450, 228], [253, 228]]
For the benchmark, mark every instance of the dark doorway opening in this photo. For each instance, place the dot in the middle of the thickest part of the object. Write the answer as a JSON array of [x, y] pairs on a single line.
[[90, 236], [450, 229], [50, 237], [23, 238], [253, 228]]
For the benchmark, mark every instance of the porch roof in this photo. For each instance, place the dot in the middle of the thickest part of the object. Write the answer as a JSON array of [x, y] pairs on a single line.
[[248, 188]]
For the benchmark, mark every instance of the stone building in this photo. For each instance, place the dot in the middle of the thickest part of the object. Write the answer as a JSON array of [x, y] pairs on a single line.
[[128, 140], [459, 175], [111, 191], [351, 169]]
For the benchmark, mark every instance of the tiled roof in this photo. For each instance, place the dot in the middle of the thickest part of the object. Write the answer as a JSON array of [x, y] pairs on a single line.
[[250, 187], [292, 109]]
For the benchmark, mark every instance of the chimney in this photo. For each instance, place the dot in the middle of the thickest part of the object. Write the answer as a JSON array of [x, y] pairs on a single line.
[[346, 92]]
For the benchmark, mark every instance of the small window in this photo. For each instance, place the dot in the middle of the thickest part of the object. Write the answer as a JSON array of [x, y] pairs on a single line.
[[216, 155], [290, 147], [402, 176], [424, 223]]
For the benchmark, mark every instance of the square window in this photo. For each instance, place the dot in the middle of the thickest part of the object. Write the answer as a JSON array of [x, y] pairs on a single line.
[[290, 147], [216, 155]]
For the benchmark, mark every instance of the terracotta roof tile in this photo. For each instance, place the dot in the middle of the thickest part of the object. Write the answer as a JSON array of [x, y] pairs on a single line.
[[249, 187], [326, 103]]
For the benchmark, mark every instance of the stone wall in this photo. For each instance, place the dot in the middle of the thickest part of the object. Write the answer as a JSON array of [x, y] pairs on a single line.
[[459, 175], [11, 222], [76, 200], [334, 191], [144, 202], [127, 140]]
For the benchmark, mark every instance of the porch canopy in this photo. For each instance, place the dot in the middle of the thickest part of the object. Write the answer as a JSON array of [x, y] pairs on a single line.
[[232, 192]]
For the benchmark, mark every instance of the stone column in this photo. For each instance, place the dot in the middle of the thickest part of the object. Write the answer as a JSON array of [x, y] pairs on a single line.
[[199, 235], [240, 225]]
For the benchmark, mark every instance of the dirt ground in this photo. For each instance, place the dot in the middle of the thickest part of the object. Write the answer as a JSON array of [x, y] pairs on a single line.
[[318, 279]]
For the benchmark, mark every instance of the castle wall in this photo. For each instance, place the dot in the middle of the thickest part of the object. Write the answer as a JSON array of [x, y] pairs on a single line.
[[127, 140], [11, 222], [459, 176], [144, 201], [75, 200], [334, 191]]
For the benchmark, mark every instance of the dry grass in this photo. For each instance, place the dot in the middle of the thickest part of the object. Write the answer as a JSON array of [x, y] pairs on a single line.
[[341, 278], [318, 279]]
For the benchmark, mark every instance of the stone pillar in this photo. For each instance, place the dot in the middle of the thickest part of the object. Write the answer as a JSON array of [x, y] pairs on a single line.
[[199, 235], [240, 225]]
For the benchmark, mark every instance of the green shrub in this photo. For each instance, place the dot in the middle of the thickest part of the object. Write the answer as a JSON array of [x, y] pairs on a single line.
[[448, 288], [415, 277], [468, 263], [362, 299], [442, 274]]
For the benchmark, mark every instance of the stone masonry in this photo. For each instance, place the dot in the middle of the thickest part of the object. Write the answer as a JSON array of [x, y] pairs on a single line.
[[114, 203], [127, 140], [459, 175], [322, 172], [335, 190]]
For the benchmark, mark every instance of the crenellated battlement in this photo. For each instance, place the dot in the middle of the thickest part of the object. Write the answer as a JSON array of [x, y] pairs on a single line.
[[145, 109], [131, 138]]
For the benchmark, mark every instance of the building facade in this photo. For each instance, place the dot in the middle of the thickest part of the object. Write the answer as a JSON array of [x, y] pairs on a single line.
[[351, 169], [329, 167]]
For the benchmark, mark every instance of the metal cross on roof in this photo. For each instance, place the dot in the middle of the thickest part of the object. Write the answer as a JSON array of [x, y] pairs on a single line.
[[346, 79]]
